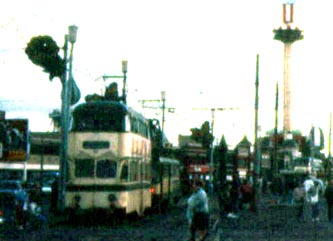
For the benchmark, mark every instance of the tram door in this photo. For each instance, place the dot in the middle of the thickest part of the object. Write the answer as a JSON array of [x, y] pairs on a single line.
[[141, 190]]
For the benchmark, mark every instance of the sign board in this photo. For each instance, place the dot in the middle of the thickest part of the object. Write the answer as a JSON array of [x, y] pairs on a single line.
[[198, 168], [14, 139]]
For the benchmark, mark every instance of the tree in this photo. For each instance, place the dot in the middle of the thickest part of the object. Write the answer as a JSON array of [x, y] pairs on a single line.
[[221, 159], [43, 51], [203, 135]]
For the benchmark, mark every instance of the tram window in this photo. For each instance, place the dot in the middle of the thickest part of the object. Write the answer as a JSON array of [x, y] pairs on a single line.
[[133, 171], [143, 171], [84, 167], [99, 121], [127, 124], [148, 171], [134, 126], [166, 170], [106, 169], [124, 172]]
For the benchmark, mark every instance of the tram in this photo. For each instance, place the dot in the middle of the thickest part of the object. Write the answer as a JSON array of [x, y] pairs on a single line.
[[111, 167]]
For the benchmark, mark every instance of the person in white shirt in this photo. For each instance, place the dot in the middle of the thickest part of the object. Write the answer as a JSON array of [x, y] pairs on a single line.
[[313, 196], [197, 211]]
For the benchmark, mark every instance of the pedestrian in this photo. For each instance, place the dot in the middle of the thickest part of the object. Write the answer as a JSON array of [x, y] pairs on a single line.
[[246, 191], [197, 211], [299, 199], [235, 192], [54, 195], [329, 200], [225, 201], [313, 195]]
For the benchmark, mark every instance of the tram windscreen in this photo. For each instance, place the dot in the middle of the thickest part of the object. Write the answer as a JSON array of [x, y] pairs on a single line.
[[106, 169], [99, 116], [84, 167]]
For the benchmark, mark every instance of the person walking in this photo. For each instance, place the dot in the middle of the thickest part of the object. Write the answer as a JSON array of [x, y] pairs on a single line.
[[329, 200], [235, 192], [299, 199], [313, 195], [197, 212], [225, 201], [246, 194]]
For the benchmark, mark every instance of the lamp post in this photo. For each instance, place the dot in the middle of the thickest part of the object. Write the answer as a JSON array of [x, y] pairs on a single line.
[[67, 84], [124, 70]]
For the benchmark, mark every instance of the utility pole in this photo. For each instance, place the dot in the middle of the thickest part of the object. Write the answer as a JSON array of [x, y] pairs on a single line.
[[163, 115], [159, 106], [256, 144], [330, 137], [275, 160]]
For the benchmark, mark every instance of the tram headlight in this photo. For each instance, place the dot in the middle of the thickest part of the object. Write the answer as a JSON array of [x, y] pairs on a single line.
[[113, 201], [112, 198], [77, 198], [123, 199]]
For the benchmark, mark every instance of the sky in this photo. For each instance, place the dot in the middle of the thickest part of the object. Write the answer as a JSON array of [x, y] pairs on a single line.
[[201, 53]]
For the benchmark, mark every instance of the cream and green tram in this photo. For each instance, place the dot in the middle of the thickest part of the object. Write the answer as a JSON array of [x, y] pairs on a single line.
[[109, 166]]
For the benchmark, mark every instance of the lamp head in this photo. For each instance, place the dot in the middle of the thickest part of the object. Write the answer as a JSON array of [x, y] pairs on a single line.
[[72, 33], [290, 2], [163, 95], [124, 66]]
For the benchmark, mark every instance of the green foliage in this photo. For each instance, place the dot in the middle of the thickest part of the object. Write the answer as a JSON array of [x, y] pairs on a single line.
[[220, 157], [43, 51], [202, 135], [111, 94], [288, 35], [93, 97]]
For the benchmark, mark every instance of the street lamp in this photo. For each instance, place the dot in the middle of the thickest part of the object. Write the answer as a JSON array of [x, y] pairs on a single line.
[[67, 85], [124, 69]]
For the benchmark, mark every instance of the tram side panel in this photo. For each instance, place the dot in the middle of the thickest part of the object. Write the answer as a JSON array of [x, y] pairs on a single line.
[[166, 189]]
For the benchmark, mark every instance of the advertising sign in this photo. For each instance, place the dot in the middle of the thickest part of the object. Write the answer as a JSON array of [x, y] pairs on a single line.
[[14, 139]]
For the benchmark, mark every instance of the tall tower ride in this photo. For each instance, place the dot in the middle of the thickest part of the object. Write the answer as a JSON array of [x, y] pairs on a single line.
[[287, 35]]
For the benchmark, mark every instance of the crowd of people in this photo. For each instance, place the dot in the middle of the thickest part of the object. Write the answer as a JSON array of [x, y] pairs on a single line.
[[238, 194], [232, 196]]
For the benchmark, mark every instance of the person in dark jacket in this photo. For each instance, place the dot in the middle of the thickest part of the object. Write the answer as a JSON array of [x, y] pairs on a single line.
[[224, 200], [329, 200]]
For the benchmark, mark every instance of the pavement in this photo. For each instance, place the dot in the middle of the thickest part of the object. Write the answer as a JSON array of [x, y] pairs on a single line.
[[274, 220]]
